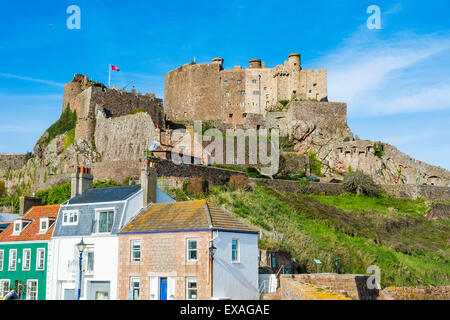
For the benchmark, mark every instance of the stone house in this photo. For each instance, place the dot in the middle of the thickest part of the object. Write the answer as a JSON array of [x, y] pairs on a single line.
[[187, 251], [95, 216]]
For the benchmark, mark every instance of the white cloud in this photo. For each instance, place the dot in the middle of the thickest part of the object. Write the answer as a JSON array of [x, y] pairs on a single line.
[[404, 74], [13, 76]]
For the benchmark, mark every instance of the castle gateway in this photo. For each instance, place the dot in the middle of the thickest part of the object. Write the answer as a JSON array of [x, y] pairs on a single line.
[[207, 91]]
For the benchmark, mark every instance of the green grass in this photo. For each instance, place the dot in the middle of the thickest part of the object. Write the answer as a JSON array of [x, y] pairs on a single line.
[[138, 110], [350, 201], [409, 249]]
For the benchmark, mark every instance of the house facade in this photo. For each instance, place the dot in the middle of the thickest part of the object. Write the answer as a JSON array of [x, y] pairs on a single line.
[[167, 253], [24, 251], [95, 216]]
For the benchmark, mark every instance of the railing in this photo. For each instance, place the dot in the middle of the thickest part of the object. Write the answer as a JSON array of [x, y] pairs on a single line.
[[261, 290], [277, 276]]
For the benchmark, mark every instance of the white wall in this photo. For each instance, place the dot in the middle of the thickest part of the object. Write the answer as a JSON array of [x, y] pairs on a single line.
[[237, 281], [105, 264]]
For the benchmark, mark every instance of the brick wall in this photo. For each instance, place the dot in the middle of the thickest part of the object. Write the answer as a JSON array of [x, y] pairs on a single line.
[[164, 255]]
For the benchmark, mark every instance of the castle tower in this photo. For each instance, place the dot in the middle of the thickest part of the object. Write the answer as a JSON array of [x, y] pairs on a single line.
[[219, 61], [71, 90], [294, 61], [255, 64]]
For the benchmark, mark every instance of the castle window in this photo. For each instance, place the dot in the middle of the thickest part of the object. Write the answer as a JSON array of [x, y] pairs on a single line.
[[309, 91], [256, 92], [225, 83], [227, 94], [230, 115], [294, 92], [244, 115], [315, 84], [242, 93], [265, 88], [239, 81], [254, 81], [242, 104]]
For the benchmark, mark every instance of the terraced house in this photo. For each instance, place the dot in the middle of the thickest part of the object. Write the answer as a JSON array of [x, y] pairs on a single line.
[[95, 216], [187, 251], [24, 250]]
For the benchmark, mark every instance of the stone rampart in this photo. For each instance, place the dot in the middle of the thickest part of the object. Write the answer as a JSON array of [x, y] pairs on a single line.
[[12, 161]]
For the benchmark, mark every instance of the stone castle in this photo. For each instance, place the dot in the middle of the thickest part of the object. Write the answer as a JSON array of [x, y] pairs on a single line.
[[207, 91], [112, 138]]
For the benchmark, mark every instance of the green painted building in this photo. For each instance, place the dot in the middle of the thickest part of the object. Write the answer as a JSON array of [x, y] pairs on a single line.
[[24, 251]]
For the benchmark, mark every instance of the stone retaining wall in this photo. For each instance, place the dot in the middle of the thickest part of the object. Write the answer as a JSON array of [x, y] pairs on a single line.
[[292, 288], [419, 293]]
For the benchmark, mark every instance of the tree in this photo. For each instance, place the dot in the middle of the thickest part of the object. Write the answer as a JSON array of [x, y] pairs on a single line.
[[361, 183]]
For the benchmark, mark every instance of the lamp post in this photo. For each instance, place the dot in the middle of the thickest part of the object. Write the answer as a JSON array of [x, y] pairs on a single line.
[[212, 251], [80, 246]]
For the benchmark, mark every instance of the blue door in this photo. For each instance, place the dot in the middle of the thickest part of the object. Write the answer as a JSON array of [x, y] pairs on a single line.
[[163, 289]]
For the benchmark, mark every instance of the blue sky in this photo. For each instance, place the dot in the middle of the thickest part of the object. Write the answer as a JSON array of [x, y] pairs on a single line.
[[396, 80]]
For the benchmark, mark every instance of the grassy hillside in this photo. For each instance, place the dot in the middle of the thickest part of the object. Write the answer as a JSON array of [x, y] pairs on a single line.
[[409, 249]]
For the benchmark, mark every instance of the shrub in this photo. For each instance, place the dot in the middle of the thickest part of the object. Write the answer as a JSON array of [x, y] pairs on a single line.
[[3, 192], [138, 110], [70, 138], [197, 187], [305, 186], [359, 182], [55, 195], [66, 122], [238, 181], [378, 149], [252, 172], [315, 164]]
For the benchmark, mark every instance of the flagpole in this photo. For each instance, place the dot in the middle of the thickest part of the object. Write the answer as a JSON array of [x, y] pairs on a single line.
[[109, 76]]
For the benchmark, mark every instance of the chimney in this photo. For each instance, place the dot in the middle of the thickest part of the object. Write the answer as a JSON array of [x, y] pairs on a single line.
[[81, 181], [149, 181], [27, 202], [158, 134]]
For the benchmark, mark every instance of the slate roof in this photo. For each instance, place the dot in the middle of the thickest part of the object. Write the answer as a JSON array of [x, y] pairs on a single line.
[[105, 195], [185, 216], [31, 232], [8, 216]]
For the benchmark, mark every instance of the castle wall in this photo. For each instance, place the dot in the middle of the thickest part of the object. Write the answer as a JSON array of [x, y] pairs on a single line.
[[203, 91], [12, 161], [192, 92], [125, 137]]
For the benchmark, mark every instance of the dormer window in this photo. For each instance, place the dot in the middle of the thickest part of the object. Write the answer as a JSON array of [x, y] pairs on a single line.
[[104, 220], [70, 218], [45, 224], [19, 226]]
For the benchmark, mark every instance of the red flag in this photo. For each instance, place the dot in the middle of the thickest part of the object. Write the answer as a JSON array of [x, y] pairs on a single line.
[[114, 68]]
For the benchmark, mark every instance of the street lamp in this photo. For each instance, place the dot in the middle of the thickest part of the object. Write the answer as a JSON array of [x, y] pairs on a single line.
[[212, 251], [81, 246]]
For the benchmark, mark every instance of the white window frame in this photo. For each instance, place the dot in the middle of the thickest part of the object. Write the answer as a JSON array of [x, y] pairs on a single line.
[[132, 250], [10, 260], [97, 219], [47, 221], [2, 281], [86, 260], [2, 259], [20, 224], [38, 259], [238, 251], [69, 214], [188, 250], [189, 280], [24, 252], [28, 293], [132, 288]]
